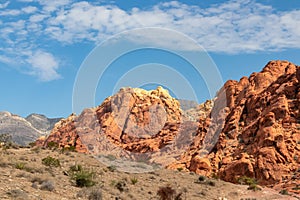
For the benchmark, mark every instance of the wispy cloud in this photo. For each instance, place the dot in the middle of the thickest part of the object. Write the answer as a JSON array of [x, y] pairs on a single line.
[[44, 66], [4, 5], [231, 27]]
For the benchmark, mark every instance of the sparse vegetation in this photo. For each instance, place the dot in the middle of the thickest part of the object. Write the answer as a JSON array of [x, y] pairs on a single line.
[[134, 180], [52, 145], [17, 194], [244, 180], [20, 165], [201, 178], [95, 194], [81, 177], [168, 193], [111, 157], [51, 162], [5, 138], [211, 183], [112, 168], [179, 169], [84, 178], [284, 192], [121, 186], [75, 168], [47, 185]]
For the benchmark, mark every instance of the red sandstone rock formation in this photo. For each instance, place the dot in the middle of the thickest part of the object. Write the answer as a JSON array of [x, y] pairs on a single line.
[[261, 136], [257, 121]]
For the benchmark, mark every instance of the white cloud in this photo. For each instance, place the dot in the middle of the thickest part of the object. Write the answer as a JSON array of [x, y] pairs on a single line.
[[12, 12], [232, 27], [44, 66], [26, 1], [235, 26], [37, 18], [4, 5], [53, 5], [29, 9]]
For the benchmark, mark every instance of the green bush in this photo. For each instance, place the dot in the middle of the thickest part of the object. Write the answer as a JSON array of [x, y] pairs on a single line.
[[244, 180], [284, 192], [134, 180], [84, 178], [75, 168], [51, 162], [201, 178], [20, 165], [52, 145]]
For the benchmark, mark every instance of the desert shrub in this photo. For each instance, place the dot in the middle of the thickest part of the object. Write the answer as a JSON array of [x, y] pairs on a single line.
[[134, 180], [5, 138], [69, 149], [112, 168], [17, 194], [47, 185], [20, 165], [253, 187], [51, 162], [75, 168], [168, 193], [91, 193], [95, 194], [52, 145], [83, 178], [32, 144], [121, 186], [215, 176], [179, 169], [201, 178], [284, 192], [211, 183], [36, 149], [244, 180], [37, 179], [110, 157]]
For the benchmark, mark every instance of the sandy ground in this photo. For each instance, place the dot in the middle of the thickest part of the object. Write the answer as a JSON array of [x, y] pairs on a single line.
[[23, 176]]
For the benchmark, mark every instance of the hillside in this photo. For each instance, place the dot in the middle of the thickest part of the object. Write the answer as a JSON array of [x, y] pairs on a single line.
[[25, 176]]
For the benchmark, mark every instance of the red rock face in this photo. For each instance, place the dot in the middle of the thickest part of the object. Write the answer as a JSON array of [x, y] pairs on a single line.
[[258, 119], [262, 130]]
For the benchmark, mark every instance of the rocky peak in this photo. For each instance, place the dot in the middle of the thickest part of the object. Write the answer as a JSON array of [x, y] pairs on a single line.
[[260, 137]]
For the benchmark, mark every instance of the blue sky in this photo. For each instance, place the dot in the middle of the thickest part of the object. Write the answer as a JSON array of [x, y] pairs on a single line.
[[43, 43]]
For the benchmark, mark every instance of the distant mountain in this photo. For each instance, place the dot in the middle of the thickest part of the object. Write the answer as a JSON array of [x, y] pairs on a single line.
[[187, 104], [41, 122], [24, 131]]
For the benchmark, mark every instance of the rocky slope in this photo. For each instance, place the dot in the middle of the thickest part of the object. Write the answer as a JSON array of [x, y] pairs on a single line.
[[24, 131], [253, 129], [261, 135]]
